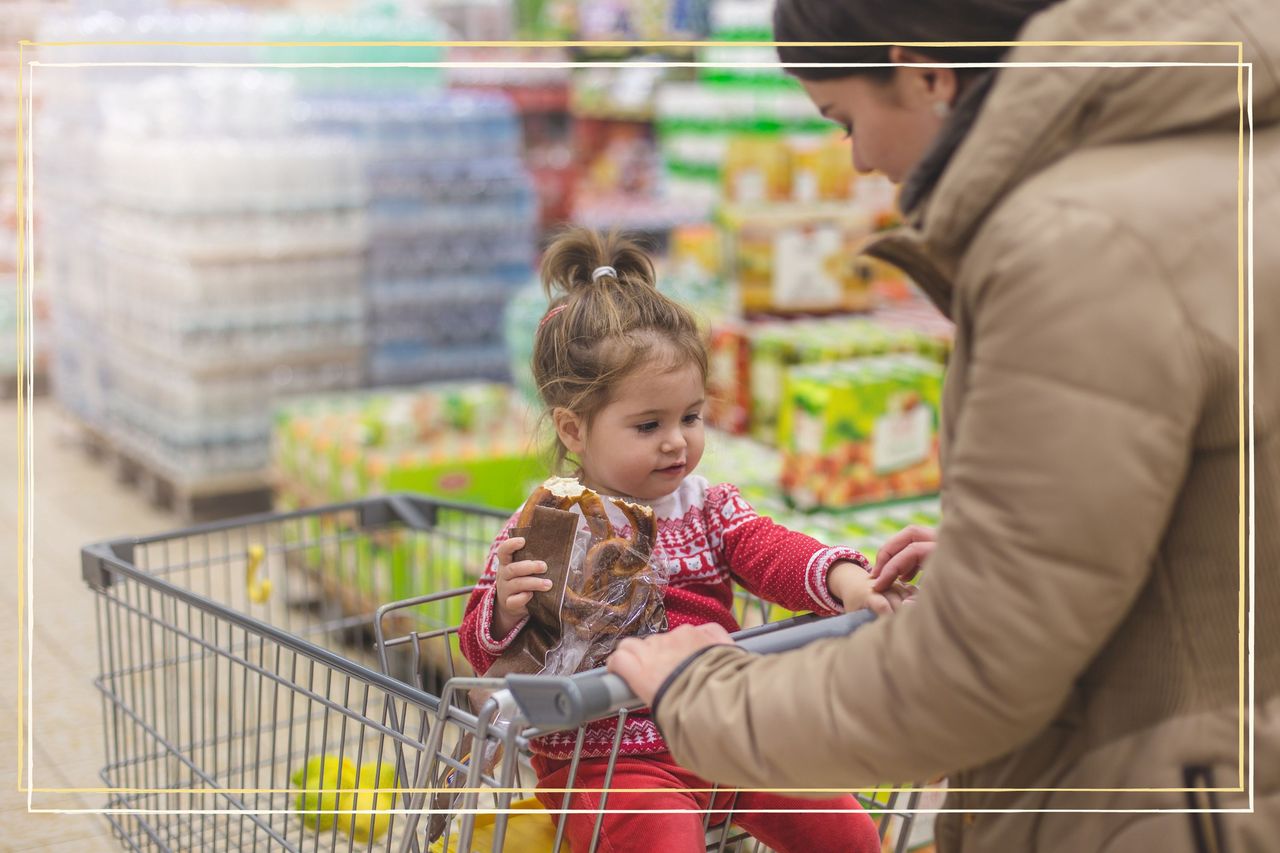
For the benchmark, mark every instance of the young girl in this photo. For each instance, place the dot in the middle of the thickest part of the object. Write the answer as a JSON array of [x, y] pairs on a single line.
[[622, 370]]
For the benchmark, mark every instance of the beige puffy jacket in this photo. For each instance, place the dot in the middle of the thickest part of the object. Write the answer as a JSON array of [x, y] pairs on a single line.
[[1080, 626]]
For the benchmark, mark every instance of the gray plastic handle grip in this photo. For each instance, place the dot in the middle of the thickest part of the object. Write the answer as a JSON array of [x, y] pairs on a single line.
[[556, 702]]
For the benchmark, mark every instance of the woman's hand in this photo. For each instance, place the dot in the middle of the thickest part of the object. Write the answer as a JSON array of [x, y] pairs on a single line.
[[514, 587], [901, 558], [645, 663], [854, 588]]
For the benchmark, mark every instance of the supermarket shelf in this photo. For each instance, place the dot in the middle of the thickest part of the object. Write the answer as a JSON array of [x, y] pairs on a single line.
[[528, 100], [586, 111], [636, 215], [605, 52]]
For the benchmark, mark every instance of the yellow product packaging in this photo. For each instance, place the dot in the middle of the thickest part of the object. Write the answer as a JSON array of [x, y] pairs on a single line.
[[798, 258], [534, 831], [821, 169], [757, 169], [696, 250]]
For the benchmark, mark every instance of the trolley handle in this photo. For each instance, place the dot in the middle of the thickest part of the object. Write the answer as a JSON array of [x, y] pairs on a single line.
[[563, 702]]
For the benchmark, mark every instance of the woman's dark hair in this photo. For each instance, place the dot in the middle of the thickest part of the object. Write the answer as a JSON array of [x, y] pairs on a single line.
[[895, 22], [903, 22]]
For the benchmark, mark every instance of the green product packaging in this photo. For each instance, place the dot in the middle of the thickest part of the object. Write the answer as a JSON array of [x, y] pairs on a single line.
[[861, 431], [502, 482]]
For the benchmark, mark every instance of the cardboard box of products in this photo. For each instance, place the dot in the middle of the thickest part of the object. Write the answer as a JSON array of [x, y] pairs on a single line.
[[862, 431]]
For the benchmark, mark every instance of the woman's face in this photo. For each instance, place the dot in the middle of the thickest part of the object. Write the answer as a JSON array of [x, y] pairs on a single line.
[[893, 123]]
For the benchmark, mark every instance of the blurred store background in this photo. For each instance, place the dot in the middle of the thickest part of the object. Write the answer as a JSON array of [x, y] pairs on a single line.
[[280, 286]]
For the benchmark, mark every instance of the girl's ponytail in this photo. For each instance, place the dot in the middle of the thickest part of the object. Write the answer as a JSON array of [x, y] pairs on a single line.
[[606, 319]]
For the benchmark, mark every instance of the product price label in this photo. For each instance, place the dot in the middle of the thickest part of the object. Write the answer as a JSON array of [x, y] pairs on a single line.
[[808, 433], [749, 186], [767, 379], [724, 371], [804, 260], [901, 440]]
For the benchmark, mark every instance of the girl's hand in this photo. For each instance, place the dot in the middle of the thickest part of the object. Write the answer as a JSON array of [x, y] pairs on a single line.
[[515, 585], [901, 558], [856, 589]]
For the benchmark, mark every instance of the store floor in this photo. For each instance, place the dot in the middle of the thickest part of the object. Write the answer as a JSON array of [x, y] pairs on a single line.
[[74, 501]]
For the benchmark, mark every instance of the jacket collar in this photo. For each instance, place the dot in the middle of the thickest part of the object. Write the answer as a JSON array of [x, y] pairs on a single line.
[[904, 248]]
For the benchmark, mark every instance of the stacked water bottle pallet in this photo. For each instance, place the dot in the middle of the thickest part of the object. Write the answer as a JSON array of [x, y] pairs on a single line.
[[233, 284], [452, 220], [229, 275], [67, 248]]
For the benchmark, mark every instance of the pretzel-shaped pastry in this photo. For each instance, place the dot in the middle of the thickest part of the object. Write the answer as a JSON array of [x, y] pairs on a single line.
[[564, 493], [617, 556], [612, 562]]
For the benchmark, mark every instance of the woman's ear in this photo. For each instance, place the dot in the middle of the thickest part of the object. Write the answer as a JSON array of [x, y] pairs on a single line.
[[926, 86], [571, 430]]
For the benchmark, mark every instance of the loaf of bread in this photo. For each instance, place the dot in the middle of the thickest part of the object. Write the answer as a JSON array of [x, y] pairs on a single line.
[[603, 588]]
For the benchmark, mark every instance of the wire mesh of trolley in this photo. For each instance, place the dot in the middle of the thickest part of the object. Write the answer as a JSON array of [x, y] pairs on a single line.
[[255, 695]]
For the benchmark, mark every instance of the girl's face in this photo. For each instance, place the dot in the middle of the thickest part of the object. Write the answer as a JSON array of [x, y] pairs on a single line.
[[892, 124], [646, 440]]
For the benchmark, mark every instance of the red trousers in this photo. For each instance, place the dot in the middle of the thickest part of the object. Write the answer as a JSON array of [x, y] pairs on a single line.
[[849, 830]]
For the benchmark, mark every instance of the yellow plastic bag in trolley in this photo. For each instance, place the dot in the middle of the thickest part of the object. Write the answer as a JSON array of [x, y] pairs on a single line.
[[533, 832]]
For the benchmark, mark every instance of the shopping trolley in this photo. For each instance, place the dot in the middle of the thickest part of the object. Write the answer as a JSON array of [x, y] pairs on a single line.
[[255, 696]]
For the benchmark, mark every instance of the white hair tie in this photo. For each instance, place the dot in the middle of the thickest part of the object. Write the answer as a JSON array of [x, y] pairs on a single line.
[[600, 272]]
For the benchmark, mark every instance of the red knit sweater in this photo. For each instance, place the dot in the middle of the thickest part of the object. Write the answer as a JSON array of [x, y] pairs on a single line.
[[708, 537]]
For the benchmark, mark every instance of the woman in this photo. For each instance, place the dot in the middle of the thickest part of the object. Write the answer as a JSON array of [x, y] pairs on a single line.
[[1081, 625]]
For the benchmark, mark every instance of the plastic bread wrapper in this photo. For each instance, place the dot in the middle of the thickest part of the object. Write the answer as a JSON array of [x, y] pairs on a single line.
[[605, 586]]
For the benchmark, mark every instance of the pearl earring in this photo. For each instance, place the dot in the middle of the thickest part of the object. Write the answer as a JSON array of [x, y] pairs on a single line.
[[941, 109]]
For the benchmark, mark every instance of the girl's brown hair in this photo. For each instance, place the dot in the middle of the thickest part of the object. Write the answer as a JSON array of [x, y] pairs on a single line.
[[600, 329]]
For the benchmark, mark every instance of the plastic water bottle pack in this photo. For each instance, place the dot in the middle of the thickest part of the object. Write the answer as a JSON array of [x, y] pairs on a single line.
[[218, 238], [452, 218]]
